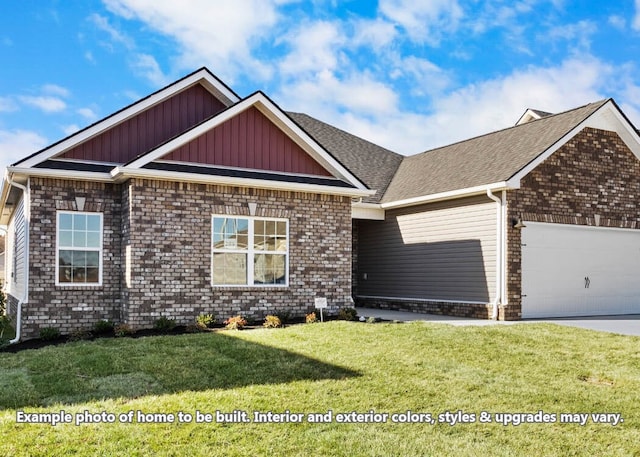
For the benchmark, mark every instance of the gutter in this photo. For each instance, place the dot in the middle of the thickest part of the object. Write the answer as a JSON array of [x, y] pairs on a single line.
[[452, 194], [27, 218], [500, 254]]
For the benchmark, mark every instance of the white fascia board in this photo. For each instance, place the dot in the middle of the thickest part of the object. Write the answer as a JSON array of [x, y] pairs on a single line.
[[275, 115], [450, 195], [608, 117], [120, 174], [369, 211], [202, 76], [18, 172]]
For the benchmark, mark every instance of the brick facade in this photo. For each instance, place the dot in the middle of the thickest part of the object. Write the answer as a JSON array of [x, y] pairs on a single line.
[[70, 308], [471, 310], [592, 180], [157, 254]]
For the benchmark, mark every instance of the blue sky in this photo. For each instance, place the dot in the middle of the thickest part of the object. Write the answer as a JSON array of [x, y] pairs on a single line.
[[407, 74]]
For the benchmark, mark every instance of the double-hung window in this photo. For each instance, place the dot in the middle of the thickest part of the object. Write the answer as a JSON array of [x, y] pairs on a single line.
[[250, 251], [79, 248]]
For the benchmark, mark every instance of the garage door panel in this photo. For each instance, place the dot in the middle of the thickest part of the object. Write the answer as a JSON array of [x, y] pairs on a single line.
[[579, 271]]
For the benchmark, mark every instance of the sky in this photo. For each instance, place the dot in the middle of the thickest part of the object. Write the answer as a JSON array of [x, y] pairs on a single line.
[[409, 75]]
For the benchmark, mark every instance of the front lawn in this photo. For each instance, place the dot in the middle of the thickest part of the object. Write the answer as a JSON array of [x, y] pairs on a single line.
[[381, 375]]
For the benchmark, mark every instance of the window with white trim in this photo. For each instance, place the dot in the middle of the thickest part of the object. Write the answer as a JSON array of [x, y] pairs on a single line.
[[79, 248], [249, 251]]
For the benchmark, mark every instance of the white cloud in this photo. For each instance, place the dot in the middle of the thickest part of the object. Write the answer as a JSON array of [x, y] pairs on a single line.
[[88, 114], [147, 66], [373, 33], [618, 22], [70, 129], [424, 20], [636, 18], [315, 48], [116, 36], [45, 103], [53, 89], [325, 93], [579, 33], [467, 112], [216, 33], [7, 105], [89, 57], [18, 144]]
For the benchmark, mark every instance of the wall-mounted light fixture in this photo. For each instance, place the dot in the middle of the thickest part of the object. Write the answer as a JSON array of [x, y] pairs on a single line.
[[518, 224]]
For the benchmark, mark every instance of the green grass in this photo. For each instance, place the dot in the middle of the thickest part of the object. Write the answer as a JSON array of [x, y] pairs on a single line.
[[340, 367]]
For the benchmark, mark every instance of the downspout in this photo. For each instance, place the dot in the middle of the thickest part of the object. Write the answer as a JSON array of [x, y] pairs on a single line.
[[499, 253], [27, 218]]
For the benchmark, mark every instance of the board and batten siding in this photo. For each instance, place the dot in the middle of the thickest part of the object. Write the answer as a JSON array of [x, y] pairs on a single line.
[[443, 251], [16, 251]]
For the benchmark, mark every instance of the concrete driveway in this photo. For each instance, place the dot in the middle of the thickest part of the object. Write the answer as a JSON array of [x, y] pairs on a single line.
[[624, 325]]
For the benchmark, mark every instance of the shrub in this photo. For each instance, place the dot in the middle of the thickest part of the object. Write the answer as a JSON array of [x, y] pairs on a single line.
[[284, 316], [164, 324], [272, 322], [121, 330], [235, 323], [205, 321], [5, 321], [103, 326], [3, 300], [311, 318], [347, 314], [79, 335], [49, 333]]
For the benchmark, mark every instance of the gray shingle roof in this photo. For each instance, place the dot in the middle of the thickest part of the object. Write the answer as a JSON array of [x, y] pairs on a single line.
[[486, 159], [374, 165]]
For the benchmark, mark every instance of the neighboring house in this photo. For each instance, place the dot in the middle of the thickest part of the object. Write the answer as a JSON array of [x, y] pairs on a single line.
[[194, 200]]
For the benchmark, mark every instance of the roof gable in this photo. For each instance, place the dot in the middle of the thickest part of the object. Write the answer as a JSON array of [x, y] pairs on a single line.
[[493, 158], [149, 128], [165, 97], [278, 119], [249, 141]]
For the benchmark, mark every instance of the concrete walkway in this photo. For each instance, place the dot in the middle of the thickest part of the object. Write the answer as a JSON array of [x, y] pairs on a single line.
[[624, 325]]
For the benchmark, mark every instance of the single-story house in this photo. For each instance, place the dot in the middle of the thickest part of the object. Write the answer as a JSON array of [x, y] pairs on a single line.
[[196, 200]]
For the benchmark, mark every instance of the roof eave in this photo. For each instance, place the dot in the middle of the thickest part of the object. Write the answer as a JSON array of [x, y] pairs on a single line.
[[450, 195], [73, 175], [120, 174]]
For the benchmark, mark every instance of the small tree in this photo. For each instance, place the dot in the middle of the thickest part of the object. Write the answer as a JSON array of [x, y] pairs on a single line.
[[5, 322]]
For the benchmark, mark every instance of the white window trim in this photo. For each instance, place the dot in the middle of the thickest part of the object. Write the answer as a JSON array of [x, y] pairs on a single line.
[[250, 252], [101, 251]]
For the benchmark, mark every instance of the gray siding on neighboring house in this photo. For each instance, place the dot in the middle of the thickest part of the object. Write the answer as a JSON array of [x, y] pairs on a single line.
[[441, 252], [16, 251]]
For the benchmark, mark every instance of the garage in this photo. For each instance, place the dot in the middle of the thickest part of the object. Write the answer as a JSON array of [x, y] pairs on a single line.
[[570, 270]]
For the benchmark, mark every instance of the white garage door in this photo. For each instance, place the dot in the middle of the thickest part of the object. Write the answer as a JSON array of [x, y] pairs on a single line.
[[570, 270]]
